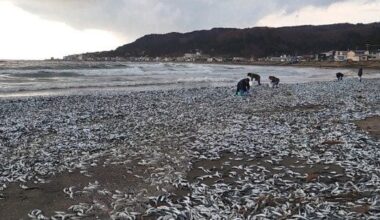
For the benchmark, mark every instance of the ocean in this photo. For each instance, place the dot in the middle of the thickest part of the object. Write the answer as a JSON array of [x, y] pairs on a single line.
[[31, 78]]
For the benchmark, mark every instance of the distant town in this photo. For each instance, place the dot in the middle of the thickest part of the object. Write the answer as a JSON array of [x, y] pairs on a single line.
[[199, 57]]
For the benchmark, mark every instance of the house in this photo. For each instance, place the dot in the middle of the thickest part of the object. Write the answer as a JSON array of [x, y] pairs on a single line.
[[375, 55], [218, 59], [307, 58], [362, 52], [340, 56], [239, 59], [276, 59], [195, 57], [358, 55], [326, 56], [294, 59], [180, 59], [282, 58], [189, 55], [261, 59], [351, 55], [75, 57], [364, 57]]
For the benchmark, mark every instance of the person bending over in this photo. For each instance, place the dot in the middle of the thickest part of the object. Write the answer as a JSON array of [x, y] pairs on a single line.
[[254, 76], [243, 87], [339, 76], [274, 81]]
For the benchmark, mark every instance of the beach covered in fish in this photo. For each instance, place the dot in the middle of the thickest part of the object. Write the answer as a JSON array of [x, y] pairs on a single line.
[[300, 151]]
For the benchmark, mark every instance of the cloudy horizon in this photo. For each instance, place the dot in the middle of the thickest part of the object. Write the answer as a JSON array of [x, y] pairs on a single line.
[[42, 29]]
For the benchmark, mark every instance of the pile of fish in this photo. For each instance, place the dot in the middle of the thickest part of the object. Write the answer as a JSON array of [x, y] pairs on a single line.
[[292, 152]]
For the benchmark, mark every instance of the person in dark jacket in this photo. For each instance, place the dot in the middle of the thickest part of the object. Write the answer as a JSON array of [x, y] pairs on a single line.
[[255, 77], [274, 81], [360, 73], [339, 76], [243, 87]]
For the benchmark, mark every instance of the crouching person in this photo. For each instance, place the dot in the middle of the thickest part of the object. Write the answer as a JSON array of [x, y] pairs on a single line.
[[255, 77], [243, 87], [274, 81], [339, 76]]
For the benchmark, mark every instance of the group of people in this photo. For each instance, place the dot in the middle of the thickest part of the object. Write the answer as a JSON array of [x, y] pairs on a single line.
[[360, 74], [244, 85]]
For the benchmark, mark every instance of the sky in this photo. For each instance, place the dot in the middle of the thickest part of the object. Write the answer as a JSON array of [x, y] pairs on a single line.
[[40, 29]]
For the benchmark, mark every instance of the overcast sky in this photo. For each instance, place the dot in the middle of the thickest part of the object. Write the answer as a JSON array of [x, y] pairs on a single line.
[[38, 29]]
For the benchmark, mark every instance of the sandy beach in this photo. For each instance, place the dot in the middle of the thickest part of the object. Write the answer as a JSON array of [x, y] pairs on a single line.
[[301, 151]]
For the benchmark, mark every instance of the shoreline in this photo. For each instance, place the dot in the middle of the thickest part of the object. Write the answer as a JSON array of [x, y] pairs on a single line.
[[89, 90], [374, 65]]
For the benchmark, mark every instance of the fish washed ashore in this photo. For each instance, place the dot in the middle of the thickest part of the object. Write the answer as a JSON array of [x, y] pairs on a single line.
[[295, 152]]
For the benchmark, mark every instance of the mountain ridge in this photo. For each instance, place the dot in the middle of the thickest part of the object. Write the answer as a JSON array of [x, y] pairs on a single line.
[[252, 42]]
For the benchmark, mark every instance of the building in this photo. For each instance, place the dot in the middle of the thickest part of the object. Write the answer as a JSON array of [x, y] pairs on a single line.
[[218, 59], [192, 57], [351, 56], [375, 55], [358, 55], [340, 56], [326, 56], [307, 58], [189, 55], [75, 57], [282, 58], [239, 59]]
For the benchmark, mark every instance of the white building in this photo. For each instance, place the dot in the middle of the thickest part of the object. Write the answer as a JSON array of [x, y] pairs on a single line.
[[192, 57], [340, 56], [219, 59], [239, 59], [189, 55], [375, 55], [282, 58]]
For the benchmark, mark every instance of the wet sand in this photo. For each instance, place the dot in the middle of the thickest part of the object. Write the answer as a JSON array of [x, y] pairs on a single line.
[[50, 196], [371, 125]]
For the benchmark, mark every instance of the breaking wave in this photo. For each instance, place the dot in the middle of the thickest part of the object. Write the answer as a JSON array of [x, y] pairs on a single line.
[[42, 76]]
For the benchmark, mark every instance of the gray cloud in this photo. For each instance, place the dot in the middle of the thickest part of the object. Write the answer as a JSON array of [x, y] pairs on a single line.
[[134, 18]]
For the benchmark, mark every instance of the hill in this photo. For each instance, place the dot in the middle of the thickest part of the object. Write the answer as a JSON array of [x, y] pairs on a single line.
[[252, 42]]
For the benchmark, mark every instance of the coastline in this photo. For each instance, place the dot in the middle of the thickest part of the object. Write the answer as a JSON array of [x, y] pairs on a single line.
[[375, 65]]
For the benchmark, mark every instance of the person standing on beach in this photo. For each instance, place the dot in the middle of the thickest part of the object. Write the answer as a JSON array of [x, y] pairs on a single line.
[[243, 87], [360, 73]]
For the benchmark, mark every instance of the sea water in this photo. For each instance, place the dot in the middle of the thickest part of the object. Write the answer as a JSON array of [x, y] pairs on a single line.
[[28, 78]]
